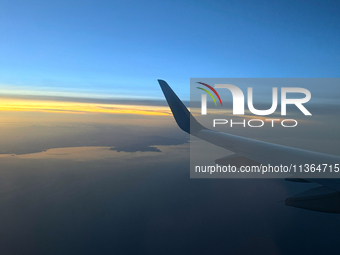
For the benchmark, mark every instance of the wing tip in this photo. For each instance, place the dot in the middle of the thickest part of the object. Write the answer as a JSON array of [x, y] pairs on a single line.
[[162, 82], [181, 114]]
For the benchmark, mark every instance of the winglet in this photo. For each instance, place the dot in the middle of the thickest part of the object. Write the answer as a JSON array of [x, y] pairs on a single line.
[[180, 112]]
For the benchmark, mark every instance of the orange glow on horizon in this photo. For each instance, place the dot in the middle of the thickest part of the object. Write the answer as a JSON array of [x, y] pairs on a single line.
[[27, 105]]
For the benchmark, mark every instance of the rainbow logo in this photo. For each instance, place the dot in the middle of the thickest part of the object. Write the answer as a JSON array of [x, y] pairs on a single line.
[[212, 89]]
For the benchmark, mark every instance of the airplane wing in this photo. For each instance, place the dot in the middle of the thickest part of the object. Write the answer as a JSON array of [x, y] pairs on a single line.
[[325, 198]]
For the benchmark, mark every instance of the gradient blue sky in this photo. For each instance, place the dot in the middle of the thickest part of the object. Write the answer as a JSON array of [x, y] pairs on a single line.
[[119, 48]]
